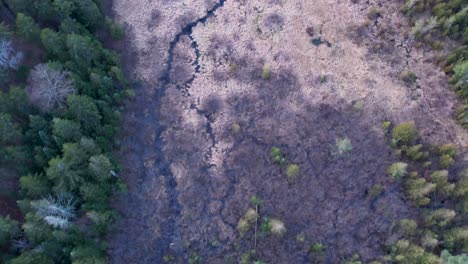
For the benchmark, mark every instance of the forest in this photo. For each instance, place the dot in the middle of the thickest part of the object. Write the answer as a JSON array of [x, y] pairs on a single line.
[[68, 131]]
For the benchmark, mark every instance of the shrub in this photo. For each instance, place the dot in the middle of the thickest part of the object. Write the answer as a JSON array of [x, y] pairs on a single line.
[[417, 189], [246, 222], [266, 71], [408, 77], [386, 125], [429, 240], [292, 172], [449, 259], [398, 170], [448, 149], [446, 161], [277, 227], [375, 191], [408, 227], [343, 145], [440, 217], [415, 153], [440, 179], [117, 31], [277, 156], [405, 252], [405, 133], [48, 87], [9, 58], [456, 238]]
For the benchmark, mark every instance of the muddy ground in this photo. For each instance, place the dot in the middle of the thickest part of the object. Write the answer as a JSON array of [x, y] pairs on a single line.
[[197, 138]]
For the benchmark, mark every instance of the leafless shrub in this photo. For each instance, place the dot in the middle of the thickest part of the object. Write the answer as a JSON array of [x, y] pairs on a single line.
[[48, 88], [9, 58]]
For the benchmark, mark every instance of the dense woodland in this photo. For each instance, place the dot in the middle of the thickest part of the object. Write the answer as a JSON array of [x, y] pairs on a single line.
[[60, 113]]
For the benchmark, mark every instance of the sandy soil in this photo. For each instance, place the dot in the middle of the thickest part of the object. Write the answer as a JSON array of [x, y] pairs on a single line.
[[198, 135]]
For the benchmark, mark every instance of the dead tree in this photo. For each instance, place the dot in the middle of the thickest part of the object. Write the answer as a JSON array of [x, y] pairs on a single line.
[[48, 88]]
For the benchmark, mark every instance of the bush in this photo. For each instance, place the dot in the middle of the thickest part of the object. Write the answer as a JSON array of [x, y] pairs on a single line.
[[117, 31], [440, 217], [408, 227], [277, 156], [375, 191], [405, 133], [415, 153], [246, 222], [448, 149], [408, 77], [266, 71], [292, 172], [405, 252], [398, 170], [343, 145], [446, 161], [417, 190], [440, 179], [277, 227]]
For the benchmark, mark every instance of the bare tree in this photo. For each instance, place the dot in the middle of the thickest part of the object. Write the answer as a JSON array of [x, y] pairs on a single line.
[[48, 88], [9, 58]]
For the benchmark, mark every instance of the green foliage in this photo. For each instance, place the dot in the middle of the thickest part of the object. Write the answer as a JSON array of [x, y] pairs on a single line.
[[407, 253], [65, 131], [292, 172], [456, 239], [88, 13], [34, 185], [266, 71], [27, 28], [35, 230], [440, 217], [440, 179], [278, 228], [84, 110], [408, 77], [415, 153], [317, 252], [83, 51], [117, 31], [9, 229], [408, 227], [398, 170], [54, 43], [246, 222], [265, 227], [446, 161], [449, 259], [405, 133], [32, 257], [417, 190], [375, 191], [343, 145], [67, 172], [255, 201], [448, 149], [277, 156]]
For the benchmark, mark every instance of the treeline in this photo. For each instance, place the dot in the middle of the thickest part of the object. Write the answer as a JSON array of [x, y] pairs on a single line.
[[58, 120], [436, 20], [440, 232]]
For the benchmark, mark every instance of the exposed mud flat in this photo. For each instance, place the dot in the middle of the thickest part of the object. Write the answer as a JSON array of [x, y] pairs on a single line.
[[199, 133]]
